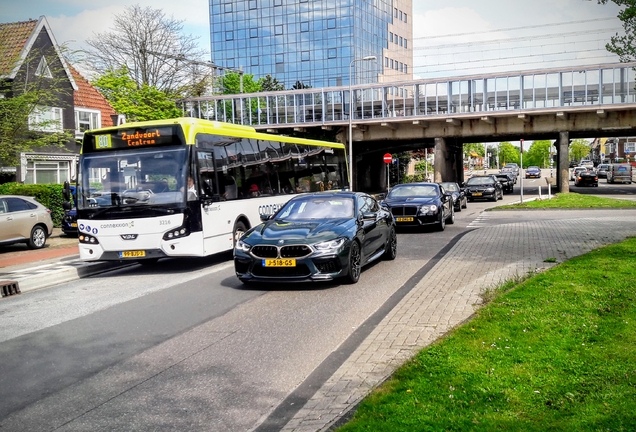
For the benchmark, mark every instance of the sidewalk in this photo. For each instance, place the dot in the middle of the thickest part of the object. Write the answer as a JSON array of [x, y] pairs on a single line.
[[58, 245]]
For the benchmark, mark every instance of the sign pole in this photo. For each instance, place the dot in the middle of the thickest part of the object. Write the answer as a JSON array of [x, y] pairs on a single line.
[[521, 171]]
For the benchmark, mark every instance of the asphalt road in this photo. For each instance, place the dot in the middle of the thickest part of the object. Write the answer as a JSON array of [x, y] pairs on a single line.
[[184, 346]]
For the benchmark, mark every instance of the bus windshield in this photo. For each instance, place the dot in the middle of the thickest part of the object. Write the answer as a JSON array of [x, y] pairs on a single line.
[[133, 177]]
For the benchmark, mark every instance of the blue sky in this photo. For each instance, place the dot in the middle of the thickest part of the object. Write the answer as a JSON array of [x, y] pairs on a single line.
[[451, 37]]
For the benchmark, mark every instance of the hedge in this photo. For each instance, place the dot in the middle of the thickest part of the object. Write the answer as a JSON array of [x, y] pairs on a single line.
[[49, 195]]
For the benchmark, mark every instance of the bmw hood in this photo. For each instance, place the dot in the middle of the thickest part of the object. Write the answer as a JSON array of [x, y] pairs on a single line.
[[304, 232]]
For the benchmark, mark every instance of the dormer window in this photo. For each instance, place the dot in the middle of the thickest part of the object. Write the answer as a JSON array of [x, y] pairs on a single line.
[[43, 69]]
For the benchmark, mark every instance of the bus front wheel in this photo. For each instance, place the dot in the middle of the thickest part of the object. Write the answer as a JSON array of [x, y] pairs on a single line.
[[239, 230]]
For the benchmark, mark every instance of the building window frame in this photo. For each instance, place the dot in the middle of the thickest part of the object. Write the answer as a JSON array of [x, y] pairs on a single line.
[[82, 124], [46, 119]]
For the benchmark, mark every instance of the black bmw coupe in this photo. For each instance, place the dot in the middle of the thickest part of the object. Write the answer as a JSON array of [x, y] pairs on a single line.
[[317, 237]]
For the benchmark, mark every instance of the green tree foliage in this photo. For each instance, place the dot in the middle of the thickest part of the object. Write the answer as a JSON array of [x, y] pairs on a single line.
[[624, 46], [270, 84], [508, 153], [538, 154], [20, 131], [299, 86], [474, 148], [230, 83], [579, 149], [137, 103]]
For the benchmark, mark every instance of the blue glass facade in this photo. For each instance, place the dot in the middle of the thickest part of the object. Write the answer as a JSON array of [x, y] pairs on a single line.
[[300, 40]]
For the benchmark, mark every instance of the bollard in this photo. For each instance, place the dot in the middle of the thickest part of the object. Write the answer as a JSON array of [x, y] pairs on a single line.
[[9, 288]]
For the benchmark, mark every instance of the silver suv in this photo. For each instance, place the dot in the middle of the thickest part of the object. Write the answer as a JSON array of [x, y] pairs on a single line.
[[24, 220]]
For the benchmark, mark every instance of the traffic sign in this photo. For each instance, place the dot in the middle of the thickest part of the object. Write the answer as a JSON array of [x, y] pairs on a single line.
[[388, 158], [602, 155]]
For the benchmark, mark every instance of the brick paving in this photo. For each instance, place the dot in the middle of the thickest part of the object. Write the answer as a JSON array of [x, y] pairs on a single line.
[[449, 295]]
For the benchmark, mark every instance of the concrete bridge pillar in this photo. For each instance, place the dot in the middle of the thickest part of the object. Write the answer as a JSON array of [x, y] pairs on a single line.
[[442, 155], [563, 162]]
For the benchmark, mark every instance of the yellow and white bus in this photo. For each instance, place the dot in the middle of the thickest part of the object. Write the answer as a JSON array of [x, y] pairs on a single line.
[[190, 187]]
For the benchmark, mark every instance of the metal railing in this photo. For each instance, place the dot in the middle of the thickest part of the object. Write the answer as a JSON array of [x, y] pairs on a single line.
[[606, 84]]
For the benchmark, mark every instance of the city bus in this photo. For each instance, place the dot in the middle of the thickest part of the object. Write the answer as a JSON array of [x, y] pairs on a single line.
[[189, 187]]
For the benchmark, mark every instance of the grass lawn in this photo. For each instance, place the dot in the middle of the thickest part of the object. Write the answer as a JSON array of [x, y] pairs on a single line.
[[556, 351], [571, 200]]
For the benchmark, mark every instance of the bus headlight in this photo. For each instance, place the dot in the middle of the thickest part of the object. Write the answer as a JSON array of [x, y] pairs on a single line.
[[176, 233], [87, 239]]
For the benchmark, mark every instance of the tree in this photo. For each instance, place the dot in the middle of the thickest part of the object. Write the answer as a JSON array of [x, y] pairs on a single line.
[[138, 104], [508, 153], [299, 86], [270, 84], [538, 154], [474, 148], [579, 149], [21, 130], [624, 46], [151, 47]]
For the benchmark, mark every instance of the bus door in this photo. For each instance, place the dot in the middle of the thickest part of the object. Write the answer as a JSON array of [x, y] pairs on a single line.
[[217, 219]]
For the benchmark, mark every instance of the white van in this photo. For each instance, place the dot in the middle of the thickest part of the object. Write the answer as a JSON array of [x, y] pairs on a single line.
[[619, 173]]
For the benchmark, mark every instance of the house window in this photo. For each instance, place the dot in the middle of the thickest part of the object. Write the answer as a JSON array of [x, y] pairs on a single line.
[[47, 171], [86, 120], [386, 61], [405, 43], [332, 53], [401, 41], [46, 119], [391, 36], [404, 17], [391, 63], [43, 69], [401, 16], [395, 12], [406, 69]]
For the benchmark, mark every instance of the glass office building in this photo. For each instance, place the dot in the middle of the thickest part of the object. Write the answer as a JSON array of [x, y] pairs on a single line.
[[314, 41]]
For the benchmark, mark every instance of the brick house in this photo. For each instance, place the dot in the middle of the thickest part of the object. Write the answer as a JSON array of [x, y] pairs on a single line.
[[28, 52]]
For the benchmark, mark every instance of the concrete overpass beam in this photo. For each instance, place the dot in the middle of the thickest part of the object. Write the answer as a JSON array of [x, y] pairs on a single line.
[[563, 162], [524, 117], [420, 123], [488, 119], [388, 125], [454, 122], [601, 113]]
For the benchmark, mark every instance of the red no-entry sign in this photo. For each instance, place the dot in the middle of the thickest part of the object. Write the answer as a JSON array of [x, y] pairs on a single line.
[[388, 158]]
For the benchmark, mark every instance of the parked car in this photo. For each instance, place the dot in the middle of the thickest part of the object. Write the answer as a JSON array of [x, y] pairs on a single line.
[[619, 173], [483, 187], [586, 178], [421, 204], [586, 163], [507, 182], [24, 220], [459, 195], [533, 172], [601, 170], [576, 171], [317, 237]]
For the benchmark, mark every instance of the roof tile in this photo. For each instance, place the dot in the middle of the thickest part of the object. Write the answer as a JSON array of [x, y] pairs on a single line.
[[13, 38], [88, 96]]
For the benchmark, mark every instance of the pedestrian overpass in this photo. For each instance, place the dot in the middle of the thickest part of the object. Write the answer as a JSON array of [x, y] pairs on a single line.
[[443, 114]]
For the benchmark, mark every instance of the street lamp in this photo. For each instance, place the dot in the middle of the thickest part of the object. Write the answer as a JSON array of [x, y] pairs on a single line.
[[367, 58]]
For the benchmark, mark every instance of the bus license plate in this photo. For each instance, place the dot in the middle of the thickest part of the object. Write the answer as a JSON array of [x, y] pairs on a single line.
[[132, 254], [74, 224], [404, 219], [279, 263]]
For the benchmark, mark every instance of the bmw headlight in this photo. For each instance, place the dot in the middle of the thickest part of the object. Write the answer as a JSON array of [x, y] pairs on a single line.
[[242, 246], [427, 209], [330, 246], [490, 189]]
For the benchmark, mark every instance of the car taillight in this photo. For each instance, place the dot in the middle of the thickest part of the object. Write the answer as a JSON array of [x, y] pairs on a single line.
[[48, 210]]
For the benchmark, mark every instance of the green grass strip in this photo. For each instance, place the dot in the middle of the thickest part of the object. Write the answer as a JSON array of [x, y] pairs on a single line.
[[571, 200], [556, 352]]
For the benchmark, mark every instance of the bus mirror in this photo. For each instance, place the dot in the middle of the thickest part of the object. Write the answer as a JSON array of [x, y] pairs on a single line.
[[66, 191], [66, 205]]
